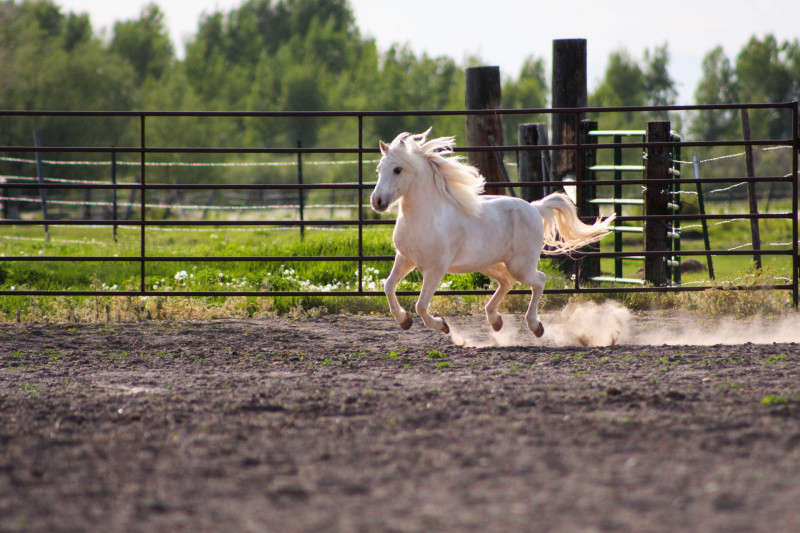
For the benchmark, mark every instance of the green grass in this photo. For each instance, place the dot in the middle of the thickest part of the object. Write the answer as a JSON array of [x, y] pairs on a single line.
[[289, 275], [722, 236]]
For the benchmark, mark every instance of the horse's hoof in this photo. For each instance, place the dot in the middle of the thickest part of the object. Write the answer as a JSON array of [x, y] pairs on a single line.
[[405, 324], [445, 327], [539, 331], [497, 325]]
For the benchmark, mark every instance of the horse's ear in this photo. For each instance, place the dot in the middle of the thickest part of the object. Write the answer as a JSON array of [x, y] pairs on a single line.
[[384, 147], [420, 137]]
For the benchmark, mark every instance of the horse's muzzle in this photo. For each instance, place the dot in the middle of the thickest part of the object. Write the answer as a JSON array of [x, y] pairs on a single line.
[[378, 204]]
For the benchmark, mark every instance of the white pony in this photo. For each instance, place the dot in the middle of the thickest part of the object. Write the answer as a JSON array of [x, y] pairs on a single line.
[[445, 225]]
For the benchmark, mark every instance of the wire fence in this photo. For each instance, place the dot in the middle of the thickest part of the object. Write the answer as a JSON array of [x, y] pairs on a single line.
[[361, 156]]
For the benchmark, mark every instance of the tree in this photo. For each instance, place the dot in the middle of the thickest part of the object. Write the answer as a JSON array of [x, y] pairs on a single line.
[[529, 90], [144, 43], [627, 82], [623, 85], [718, 85], [659, 86], [765, 72]]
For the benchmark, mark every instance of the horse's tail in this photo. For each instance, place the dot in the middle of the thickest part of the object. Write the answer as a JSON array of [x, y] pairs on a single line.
[[563, 230]]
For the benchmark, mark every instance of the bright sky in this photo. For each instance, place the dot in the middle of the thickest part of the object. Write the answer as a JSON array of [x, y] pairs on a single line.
[[504, 32]]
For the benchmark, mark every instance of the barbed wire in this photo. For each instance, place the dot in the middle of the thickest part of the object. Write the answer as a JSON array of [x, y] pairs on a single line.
[[730, 156], [186, 163], [23, 199], [4, 177], [240, 208], [108, 162]]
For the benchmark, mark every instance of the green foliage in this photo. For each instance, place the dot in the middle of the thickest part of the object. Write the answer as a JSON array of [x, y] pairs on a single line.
[[627, 82], [262, 55], [774, 399], [144, 43], [764, 71]]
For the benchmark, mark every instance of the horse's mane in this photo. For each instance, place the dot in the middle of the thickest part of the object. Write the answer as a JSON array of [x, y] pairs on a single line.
[[457, 181]]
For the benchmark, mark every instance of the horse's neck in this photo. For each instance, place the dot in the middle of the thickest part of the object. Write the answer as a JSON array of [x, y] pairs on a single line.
[[422, 202]]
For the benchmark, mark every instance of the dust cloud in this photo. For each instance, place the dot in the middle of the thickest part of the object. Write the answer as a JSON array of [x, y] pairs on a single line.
[[610, 323]]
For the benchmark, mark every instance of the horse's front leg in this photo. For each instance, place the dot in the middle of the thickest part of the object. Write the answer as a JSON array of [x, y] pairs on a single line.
[[430, 281], [402, 266]]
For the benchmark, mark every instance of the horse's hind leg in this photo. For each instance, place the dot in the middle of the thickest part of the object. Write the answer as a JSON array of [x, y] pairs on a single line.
[[505, 281], [537, 289], [536, 279], [402, 266]]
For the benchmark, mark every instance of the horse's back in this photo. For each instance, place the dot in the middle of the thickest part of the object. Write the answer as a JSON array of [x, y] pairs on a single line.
[[512, 209]]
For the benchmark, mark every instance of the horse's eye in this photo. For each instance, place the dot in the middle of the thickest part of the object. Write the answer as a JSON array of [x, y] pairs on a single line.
[[397, 170]]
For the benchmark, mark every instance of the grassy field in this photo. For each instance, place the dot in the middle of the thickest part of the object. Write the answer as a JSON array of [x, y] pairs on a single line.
[[294, 275]]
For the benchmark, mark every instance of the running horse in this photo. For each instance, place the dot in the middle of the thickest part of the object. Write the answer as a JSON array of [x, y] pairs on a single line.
[[445, 224]]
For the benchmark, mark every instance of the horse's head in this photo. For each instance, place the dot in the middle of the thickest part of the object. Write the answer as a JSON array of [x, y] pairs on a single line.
[[401, 161]]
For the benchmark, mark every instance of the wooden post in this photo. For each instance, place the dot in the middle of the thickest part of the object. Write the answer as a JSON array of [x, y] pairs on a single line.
[[129, 207], [584, 194], [569, 90], [87, 204], [533, 165], [751, 189], [5, 201], [656, 202], [114, 193], [483, 92], [701, 206], [212, 198], [42, 191], [300, 195]]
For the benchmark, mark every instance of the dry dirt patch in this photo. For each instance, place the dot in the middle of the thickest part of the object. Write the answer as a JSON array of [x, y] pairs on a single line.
[[348, 424]]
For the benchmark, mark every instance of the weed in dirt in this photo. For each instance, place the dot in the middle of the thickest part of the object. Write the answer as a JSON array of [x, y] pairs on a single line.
[[444, 364], [436, 354], [773, 359], [116, 355], [729, 386], [30, 389], [774, 399]]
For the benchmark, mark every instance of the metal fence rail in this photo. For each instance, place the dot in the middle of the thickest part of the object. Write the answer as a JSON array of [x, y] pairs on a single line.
[[360, 222]]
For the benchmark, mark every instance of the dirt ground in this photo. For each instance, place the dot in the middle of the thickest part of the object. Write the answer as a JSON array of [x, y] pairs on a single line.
[[345, 423]]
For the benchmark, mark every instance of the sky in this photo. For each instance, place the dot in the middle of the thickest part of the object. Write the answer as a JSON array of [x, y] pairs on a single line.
[[505, 32]]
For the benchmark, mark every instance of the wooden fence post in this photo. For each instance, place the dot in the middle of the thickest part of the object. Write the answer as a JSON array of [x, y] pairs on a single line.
[[533, 165], [584, 194], [483, 92], [114, 193], [701, 205], [87, 204], [656, 202], [300, 192], [6, 210], [42, 191], [569, 90], [751, 189]]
